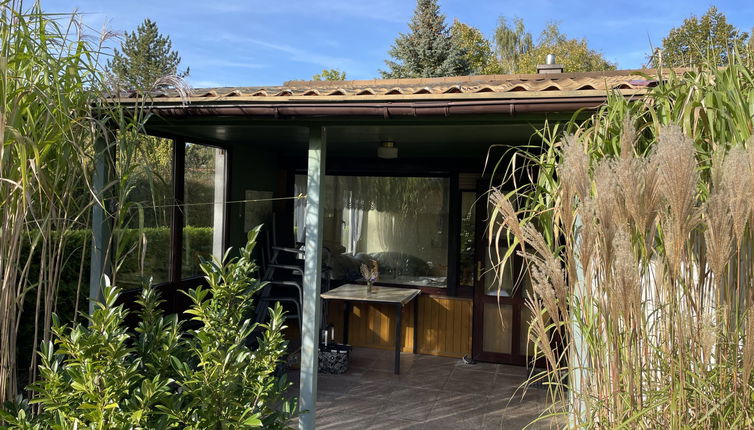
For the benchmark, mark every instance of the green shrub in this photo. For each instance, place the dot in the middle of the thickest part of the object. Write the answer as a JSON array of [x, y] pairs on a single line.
[[75, 269], [101, 376]]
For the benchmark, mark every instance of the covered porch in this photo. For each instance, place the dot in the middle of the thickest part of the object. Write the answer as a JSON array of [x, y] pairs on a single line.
[[387, 171]]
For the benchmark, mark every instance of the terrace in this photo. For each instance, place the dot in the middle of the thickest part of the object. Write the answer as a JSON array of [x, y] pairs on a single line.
[[431, 392]]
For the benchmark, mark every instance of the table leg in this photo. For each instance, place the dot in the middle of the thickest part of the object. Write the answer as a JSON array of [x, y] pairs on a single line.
[[346, 318], [416, 324], [399, 310]]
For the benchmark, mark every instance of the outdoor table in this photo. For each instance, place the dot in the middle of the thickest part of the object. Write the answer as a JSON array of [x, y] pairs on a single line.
[[397, 297]]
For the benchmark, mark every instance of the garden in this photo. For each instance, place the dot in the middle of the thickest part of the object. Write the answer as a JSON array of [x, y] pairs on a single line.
[[635, 225]]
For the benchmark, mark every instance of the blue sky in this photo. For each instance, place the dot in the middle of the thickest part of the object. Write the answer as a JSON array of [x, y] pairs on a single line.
[[237, 43]]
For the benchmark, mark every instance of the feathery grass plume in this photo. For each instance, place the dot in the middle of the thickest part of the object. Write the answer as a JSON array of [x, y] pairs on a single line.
[[737, 180], [504, 214], [607, 209], [718, 234], [628, 138], [706, 337], [503, 222], [637, 183], [627, 277], [657, 330], [587, 235], [675, 159], [574, 167], [547, 272], [541, 333], [548, 278], [651, 201]]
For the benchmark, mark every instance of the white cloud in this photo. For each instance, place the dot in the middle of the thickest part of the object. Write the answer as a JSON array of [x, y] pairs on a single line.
[[204, 84], [294, 53], [206, 62]]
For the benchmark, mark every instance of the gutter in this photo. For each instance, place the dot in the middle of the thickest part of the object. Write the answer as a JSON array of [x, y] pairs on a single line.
[[382, 109]]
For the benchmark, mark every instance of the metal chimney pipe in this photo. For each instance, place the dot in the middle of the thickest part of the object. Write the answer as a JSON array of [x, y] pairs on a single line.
[[550, 65]]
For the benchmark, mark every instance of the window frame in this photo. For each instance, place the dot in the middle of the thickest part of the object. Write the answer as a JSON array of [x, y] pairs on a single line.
[[179, 192], [453, 288]]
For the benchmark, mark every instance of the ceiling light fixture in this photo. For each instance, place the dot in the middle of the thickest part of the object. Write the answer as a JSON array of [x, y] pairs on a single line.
[[387, 150]]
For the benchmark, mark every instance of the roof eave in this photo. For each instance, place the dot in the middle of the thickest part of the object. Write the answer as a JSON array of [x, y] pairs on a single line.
[[544, 96], [407, 107]]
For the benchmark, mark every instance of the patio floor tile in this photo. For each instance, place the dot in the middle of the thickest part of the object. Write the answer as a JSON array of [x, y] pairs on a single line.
[[430, 393]]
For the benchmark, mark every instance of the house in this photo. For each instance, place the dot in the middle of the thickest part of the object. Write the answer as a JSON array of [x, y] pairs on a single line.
[[393, 171]]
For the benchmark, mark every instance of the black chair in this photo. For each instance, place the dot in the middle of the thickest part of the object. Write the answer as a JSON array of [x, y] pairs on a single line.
[[283, 270]]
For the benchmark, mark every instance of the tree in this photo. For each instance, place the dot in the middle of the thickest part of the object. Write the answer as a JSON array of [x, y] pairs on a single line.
[[705, 38], [574, 54], [428, 50], [330, 75], [478, 50], [511, 43], [146, 58]]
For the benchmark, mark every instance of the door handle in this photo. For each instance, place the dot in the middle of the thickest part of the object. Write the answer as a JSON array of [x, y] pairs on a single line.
[[478, 270]]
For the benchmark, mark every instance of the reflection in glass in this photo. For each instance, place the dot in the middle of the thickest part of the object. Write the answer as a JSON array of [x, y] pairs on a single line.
[[144, 242], [400, 222], [198, 214], [498, 279], [468, 238]]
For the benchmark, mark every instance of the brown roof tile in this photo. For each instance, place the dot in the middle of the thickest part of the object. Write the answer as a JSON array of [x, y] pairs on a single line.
[[467, 87]]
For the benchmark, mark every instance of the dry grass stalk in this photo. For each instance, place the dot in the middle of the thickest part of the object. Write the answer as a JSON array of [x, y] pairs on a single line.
[[736, 179], [664, 345]]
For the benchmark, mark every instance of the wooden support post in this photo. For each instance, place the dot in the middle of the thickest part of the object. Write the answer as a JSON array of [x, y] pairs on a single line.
[[104, 164], [312, 279]]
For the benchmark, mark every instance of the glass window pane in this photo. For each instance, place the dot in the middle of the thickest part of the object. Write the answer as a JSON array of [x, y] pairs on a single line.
[[468, 238], [146, 236], [199, 210], [526, 347], [498, 328], [498, 280], [400, 222]]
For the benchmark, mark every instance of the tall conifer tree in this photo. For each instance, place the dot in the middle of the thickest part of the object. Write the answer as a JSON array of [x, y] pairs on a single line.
[[428, 50], [145, 57]]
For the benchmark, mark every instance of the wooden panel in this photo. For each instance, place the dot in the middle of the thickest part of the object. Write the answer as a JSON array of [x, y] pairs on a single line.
[[498, 322], [444, 325]]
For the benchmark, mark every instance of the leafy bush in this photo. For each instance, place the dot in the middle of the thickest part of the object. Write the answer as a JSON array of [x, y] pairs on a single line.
[[75, 269], [101, 376]]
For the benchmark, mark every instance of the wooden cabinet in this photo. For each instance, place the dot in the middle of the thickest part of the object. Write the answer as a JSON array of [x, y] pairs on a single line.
[[444, 325]]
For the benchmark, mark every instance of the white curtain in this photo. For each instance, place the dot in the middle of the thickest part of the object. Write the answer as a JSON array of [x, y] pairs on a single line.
[[354, 217]]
